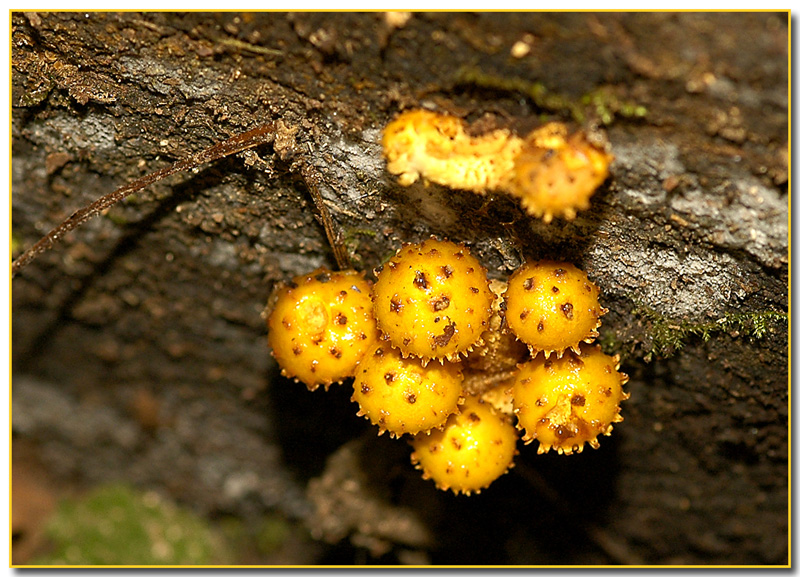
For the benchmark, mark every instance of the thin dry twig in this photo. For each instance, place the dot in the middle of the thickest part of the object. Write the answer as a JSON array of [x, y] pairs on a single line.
[[311, 177], [259, 135]]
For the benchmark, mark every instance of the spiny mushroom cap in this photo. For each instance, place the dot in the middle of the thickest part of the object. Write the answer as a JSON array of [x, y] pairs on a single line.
[[432, 300], [438, 148], [555, 174], [321, 325], [564, 403], [552, 306], [473, 449], [400, 395]]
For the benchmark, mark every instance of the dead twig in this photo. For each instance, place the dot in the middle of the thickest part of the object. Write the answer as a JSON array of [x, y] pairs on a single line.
[[311, 177], [244, 141]]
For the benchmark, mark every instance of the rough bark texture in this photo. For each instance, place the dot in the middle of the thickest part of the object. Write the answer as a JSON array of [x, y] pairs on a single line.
[[139, 353]]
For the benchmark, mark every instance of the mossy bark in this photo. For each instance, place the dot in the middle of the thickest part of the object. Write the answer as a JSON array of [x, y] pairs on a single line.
[[139, 352]]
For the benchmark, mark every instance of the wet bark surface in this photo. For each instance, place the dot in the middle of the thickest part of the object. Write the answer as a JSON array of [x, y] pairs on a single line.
[[139, 352]]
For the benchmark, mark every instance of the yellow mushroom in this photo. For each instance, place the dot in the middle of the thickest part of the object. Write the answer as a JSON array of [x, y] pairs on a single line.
[[566, 402], [400, 395], [474, 448], [432, 300], [552, 306], [321, 325]]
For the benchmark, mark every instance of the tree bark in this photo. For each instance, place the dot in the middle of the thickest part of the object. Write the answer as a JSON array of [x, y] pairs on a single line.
[[139, 352]]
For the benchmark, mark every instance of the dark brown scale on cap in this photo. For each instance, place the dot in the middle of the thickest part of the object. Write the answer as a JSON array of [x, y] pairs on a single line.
[[555, 290], [336, 352], [340, 319], [566, 308], [395, 305], [528, 284], [447, 270], [443, 339], [297, 350], [323, 277], [564, 432], [410, 398], [578, 400], [389, 377], [420, 281], [540, 326], [440, 303]]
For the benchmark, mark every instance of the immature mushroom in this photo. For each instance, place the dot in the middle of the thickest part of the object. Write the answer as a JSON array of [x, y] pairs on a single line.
[[321, 325], [473, 449], [564, 403], [400, 395], [432, 300], [552, 306], [555, 174]]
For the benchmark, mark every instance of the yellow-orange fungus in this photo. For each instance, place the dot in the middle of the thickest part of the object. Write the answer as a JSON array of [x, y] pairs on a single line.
[[564, 403], [551, 172], [436, 147], [321, 325], [432, 300], [552, 306], [473, 449], [556, 174], [400, 395]]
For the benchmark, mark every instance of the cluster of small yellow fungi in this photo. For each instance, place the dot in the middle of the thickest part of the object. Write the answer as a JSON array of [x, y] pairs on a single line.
[[441, 354], [552, 173]]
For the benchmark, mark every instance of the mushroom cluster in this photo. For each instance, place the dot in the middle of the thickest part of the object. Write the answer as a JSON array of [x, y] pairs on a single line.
[[551, 172], [441, 354]]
